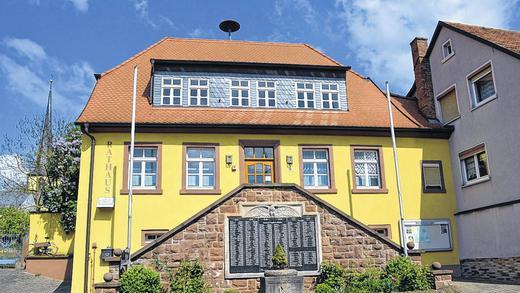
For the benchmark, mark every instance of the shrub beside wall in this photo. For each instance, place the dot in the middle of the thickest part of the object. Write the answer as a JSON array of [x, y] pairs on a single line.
[[139, 279], [13, 221], [400, 275]]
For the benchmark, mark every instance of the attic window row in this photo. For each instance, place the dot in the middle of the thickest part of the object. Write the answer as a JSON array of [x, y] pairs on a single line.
[[240, 93]]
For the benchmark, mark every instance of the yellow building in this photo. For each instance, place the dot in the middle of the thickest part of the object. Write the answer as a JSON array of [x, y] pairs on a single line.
[[212, 115]]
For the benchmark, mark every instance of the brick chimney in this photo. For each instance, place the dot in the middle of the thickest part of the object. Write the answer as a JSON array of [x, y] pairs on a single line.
[[423, 77]]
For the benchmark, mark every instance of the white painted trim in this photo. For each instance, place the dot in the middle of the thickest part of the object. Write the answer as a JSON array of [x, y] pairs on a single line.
[[266, 99], [171, 87], [471, 86], [198, 87], [330, 92], [240, 88], [447, 57], [479, 178], [306, 91]]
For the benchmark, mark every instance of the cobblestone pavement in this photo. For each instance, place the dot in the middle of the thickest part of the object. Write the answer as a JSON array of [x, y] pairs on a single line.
[[478, 287], [16, 281]]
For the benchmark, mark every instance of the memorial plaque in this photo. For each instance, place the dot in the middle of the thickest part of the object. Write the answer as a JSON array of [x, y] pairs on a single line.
[[251, 243]]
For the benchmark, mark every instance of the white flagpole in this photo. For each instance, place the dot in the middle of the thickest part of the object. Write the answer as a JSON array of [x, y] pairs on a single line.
[[396, 163], [131, 169]]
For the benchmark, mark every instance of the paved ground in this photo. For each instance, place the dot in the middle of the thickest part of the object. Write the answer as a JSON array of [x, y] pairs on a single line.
[[478, 287], [16, 281]]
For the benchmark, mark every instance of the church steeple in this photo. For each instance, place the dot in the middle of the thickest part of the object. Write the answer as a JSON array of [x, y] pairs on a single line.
[[46, 137]]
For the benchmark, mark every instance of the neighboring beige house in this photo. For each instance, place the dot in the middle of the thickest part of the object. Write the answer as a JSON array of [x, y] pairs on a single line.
[[469, 78]]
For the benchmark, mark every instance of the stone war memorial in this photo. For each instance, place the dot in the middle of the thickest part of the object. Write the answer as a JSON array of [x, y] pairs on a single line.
[[236, 236]]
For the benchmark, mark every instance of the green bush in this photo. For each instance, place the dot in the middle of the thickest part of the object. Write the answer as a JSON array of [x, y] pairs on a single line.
[[400, 274], [139, 279], [333, 276], [407, 276], [279, 257], [189, 279], [13, 221], [231, 291]]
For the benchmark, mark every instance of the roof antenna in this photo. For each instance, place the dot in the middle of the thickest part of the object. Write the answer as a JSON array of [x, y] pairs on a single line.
[[229, 26]]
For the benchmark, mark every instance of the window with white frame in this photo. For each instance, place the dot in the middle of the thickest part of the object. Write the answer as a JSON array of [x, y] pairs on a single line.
[[329, 96], [366, 164], [145, 168], [240, 93], [199, 92], [429, 235], [316, 168], [482, 86], [305, 94], [447, 50], [200, 165], [171, 91], [266, 94], [474, 165]]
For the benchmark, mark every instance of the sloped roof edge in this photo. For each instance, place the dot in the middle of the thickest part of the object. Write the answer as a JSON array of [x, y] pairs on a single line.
[[442, 24]]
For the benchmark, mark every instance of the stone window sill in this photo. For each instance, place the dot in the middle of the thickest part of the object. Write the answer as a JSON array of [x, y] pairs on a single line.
[[370, 191], [200, 191], [143, 191], [322, 191]]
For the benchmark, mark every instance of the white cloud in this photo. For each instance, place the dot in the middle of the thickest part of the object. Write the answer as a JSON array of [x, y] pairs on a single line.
[[155, 21], [378, 32], [302, 7], [81, 5], [26, 48], [196, 33], [288, 16], [26, 77]]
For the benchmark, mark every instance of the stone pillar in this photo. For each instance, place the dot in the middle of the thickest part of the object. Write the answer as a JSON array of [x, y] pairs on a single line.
[[279, 281], [442, 278]]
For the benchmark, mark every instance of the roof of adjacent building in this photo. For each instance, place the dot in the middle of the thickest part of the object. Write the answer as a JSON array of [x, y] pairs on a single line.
[[111, 99], [506, 41]]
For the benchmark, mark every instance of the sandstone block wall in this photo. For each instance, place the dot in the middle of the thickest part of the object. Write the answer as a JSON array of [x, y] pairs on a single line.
[[342, 240]]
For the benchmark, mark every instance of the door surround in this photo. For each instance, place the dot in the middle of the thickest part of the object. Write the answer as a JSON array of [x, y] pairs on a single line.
[[275, 144]]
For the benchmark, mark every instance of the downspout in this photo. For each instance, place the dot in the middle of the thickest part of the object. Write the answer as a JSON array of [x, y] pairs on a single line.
[[84, 129]]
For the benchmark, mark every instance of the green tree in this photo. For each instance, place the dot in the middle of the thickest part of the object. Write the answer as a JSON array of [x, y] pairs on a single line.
[[279, 257], [59, 189], [13, 221]]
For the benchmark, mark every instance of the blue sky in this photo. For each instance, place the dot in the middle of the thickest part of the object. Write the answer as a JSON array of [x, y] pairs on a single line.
[[72, 39]]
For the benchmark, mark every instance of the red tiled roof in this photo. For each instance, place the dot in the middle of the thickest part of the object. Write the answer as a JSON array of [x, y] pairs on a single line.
[[507, 39], [110, 101]]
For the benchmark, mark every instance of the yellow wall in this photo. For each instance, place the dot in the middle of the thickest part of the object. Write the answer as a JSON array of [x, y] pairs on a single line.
[[169, 209], [42, 225]]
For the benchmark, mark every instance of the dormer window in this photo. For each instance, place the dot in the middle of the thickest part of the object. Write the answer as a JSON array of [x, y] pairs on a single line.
[[329, 96], [240, 93], [266, 94], [171, 91], [447, 50], [199, 92], [305, 95]]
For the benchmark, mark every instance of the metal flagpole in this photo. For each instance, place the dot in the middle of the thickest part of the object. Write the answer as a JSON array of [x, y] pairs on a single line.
[[396, 162], [131, 171]]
